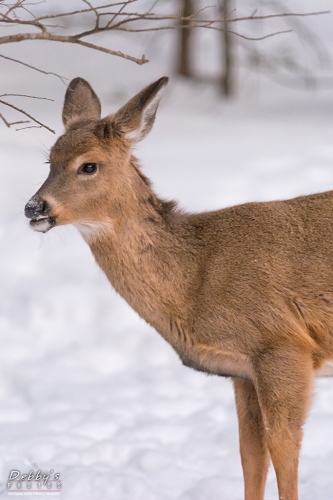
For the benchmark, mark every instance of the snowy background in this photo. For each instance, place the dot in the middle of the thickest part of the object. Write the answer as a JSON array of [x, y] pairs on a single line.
[[86, 387]]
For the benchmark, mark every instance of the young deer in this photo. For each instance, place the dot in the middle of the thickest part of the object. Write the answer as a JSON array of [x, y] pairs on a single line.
[[245, 292]]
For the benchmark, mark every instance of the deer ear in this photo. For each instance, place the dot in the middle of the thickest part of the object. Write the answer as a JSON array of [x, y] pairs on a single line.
[[136, 118], [81, 103]]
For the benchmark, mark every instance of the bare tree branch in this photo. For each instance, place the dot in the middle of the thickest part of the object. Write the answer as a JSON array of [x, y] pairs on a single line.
[[62, 78], [5, 103], [24, 95], [75, 39]]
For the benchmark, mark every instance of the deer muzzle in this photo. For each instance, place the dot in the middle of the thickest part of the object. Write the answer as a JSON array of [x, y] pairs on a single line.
[[39, 213]]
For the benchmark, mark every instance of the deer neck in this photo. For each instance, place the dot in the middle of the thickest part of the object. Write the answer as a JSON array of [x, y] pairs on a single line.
[[146, 258]]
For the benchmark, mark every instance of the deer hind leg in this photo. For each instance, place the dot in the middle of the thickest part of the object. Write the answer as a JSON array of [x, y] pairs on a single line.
[[283, 382], [252, 438]]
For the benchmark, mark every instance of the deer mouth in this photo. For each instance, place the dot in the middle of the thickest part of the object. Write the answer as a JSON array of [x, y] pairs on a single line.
[[42, 224]]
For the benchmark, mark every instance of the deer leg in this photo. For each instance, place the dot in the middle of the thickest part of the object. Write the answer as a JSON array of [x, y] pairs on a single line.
[[283, 383], [252, 438]]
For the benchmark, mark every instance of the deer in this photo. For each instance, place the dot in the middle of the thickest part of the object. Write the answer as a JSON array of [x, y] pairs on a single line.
[[244, 292]]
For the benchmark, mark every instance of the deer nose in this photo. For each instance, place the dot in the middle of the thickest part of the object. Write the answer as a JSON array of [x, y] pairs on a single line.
[[36, 207]]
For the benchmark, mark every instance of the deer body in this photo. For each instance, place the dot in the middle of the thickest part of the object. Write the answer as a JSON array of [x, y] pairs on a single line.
[[202, 298], [245, 292]]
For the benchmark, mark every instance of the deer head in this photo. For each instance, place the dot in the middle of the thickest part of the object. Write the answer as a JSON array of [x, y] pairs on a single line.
[[90, 167]]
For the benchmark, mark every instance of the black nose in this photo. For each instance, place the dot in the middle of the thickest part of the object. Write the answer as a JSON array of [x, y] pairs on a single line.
[[36, 207]]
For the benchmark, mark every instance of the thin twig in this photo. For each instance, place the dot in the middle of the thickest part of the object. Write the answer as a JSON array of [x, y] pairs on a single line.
[[29, 96], [83, 11], [270, 35], [115, 15], [5, 103], [24, 128], [9, 124], [95, 11], [284, 14], [62, 78]]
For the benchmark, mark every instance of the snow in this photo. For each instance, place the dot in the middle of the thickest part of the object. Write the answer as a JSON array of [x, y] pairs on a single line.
[[86, 387]]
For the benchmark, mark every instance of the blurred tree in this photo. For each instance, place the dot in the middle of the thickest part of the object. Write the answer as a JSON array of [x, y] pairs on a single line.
[[185, 35], [227, 83], [286, 61]]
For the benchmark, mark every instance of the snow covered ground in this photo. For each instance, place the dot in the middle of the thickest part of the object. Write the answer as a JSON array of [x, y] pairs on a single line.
[[86, 387]]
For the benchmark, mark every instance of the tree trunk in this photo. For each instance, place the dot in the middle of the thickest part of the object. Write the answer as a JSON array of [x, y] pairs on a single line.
[[227, 82], [185, 36]]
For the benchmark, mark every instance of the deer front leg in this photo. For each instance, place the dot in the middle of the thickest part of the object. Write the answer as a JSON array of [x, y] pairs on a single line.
[[252, 438], [283, 382]]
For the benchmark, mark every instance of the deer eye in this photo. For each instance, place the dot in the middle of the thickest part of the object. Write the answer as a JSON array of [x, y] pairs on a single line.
[[87, 168]]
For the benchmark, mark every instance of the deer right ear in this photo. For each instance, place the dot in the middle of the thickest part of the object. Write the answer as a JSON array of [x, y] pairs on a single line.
[[137, 117], [81, 103]]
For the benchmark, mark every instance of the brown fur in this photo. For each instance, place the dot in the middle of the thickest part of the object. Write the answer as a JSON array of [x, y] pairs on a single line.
[[246, 291]]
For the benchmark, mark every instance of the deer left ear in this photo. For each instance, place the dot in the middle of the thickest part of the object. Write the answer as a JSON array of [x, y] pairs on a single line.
[[135, 120], [81, 103]]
